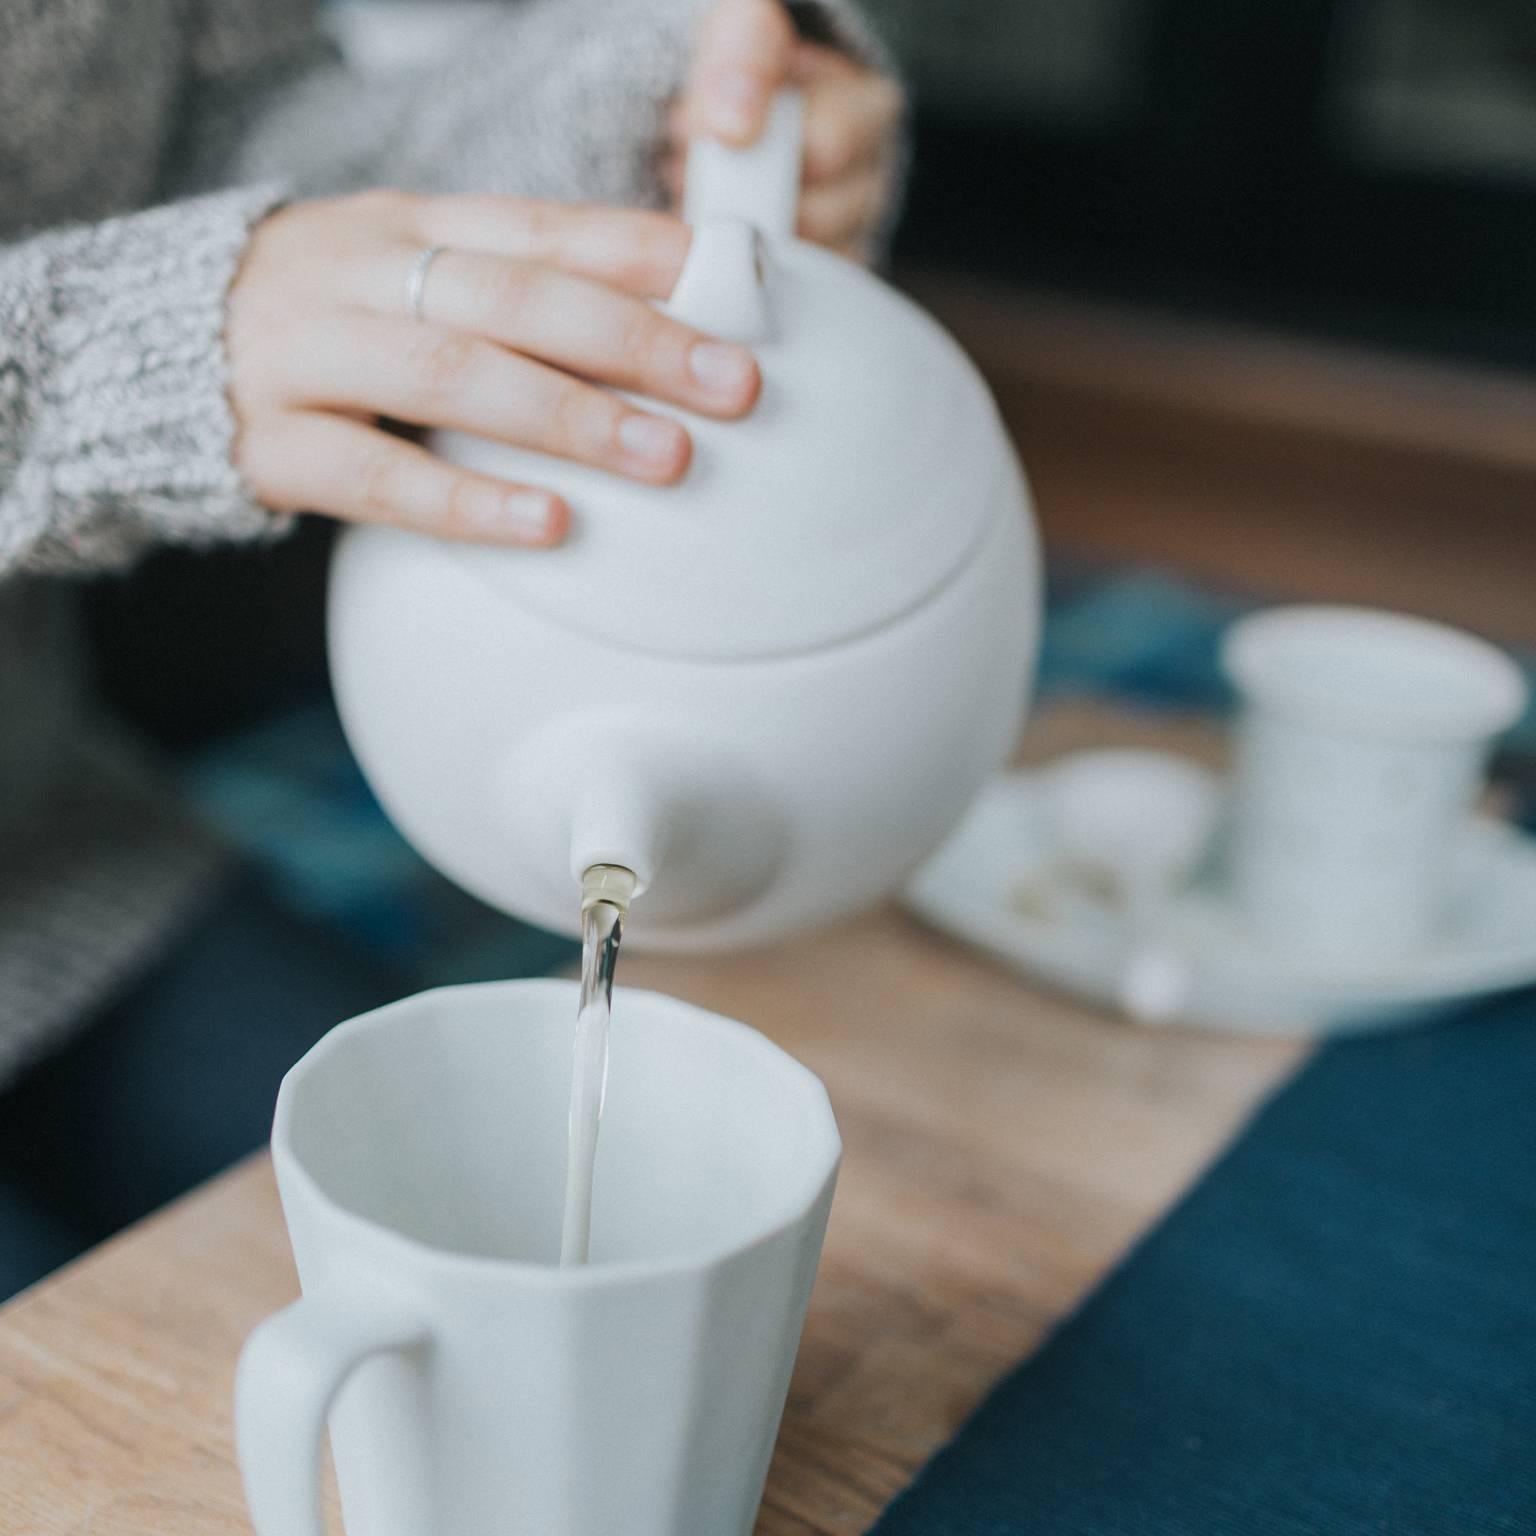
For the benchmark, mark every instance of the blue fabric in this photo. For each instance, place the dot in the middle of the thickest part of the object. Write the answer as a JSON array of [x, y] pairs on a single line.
[[290, 796], [1139, 636], [173, 1080], [1334, 1334]]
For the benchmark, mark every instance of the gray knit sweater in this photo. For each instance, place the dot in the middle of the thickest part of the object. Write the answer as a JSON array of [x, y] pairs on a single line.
[[139, 142]]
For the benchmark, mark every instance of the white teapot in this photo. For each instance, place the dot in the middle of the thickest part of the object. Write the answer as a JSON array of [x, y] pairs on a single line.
[[768, 691]]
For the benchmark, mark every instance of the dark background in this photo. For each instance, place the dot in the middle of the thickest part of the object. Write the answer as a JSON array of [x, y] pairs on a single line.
[[1351, 168]]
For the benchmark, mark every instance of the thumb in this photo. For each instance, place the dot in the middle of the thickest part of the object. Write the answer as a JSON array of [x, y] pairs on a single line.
[[742, 57]]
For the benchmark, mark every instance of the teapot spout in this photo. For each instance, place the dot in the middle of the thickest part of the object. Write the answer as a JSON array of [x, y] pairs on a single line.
[[700, 838], [621, 818]]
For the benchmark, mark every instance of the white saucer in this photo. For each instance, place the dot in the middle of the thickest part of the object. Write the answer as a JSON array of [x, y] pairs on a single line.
[[998, 883]]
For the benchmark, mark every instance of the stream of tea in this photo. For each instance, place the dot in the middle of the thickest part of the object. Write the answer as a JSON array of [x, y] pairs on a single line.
[[606, 892]]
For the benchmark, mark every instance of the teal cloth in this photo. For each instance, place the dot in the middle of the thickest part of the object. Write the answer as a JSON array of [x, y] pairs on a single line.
[[290, 796], [1333, 1335]]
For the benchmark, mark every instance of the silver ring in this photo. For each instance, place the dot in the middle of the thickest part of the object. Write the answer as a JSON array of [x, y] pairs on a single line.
[[416, 280]]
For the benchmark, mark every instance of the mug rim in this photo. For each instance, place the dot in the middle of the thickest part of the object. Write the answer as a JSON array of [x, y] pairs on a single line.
[[825, 1156]]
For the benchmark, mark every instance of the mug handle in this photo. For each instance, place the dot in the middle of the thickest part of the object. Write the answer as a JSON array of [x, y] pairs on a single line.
[[290, 1371], [759, 184]]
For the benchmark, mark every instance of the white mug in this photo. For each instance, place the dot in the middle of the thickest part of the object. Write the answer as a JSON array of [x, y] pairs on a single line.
[[1361, 748], [471, 1385]]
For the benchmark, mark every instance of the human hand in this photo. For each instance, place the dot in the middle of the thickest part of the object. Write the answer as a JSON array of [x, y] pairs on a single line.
[[746, 50], [528, 310]]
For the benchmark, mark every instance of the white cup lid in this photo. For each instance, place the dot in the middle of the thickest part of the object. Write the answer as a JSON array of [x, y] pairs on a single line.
[[1373, 673]]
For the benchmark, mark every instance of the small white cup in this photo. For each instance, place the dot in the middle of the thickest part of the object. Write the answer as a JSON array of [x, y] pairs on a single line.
[[1361, 746], [477, 1388]]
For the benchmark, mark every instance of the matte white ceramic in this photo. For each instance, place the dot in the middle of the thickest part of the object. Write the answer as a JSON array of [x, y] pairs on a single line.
[[998, 883], [1141, 822], [1362, 743], [1144, 817], [770, 690], [472, 1386]]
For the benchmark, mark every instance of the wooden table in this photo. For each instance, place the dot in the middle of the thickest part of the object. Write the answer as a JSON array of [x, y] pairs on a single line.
[[1003, 1147], [1260, 462]]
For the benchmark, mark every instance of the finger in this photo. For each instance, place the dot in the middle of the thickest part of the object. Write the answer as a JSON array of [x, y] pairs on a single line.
[[432, 376], [848, 124], [836, 213], [741, 58], [586, 328], [314, 462], [808, 63], [637, 250], [816, 61], [673, 177], [860, 251]]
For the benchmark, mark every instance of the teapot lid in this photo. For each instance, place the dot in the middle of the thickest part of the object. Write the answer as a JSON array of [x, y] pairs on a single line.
[[858, 486]]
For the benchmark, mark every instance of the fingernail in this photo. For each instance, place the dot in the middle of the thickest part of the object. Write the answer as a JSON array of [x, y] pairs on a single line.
[[652, 439], [722, 369], [510, 514], [527, 514], [737, 102]]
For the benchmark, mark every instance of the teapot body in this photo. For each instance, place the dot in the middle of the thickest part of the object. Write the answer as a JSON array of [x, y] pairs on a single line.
[[768, 691], [754, 797]]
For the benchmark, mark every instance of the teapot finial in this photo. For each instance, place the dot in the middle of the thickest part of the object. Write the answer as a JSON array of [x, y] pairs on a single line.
[[739, 201], [759, 183], [722, 287]]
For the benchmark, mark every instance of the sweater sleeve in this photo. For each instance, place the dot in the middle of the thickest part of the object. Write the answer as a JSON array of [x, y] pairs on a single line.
[[115, 431], [545, 98], [115, 426]]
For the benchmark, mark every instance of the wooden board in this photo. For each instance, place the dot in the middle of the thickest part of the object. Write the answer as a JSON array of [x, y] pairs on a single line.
[[1289, 468], [1003, 1148]]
